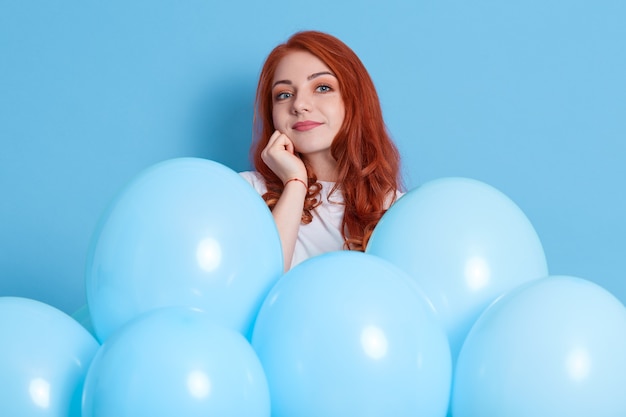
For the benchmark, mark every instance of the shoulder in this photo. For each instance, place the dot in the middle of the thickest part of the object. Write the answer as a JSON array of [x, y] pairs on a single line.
[[251, 176], [255, 179]]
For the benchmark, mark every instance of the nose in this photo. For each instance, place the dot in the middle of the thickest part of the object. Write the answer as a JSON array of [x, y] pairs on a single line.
[[302, 103]]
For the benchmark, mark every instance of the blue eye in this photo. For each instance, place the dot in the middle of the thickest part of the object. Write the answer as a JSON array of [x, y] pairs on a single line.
[[323, 88], [283, 96]]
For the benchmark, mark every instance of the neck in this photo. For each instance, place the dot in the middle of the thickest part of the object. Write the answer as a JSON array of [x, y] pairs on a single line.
[[323, 165]]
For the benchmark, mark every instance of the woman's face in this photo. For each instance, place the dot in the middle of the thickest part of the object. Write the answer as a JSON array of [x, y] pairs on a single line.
[[307, 103]]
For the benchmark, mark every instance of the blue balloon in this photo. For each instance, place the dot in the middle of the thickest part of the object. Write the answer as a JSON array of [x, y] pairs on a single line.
[[554, 347], [83, 317], [176, 361], [186, 232], [44, 357], [465, 244], [348, 334]]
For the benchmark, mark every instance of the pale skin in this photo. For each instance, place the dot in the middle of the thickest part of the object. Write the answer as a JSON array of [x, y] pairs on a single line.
[[307, 112]]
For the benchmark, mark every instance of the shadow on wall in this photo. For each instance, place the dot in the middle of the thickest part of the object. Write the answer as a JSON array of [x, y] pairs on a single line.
[[222, 121]]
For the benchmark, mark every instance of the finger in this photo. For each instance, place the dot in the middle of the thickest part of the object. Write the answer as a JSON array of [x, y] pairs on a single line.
[[271, 143], [289, 145], [273, 138], [280, 142]]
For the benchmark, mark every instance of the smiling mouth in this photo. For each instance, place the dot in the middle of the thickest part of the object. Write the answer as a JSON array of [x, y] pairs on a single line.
[[304, 126]]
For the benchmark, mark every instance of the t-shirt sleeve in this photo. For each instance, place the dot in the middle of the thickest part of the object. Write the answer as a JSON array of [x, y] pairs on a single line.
[[391, 200], [255, 180]]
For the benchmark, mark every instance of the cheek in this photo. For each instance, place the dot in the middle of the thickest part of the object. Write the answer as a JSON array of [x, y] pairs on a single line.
[[340, 115], [277, 118]]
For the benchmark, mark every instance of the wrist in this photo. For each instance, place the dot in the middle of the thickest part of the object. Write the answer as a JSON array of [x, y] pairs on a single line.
[[296, 180]]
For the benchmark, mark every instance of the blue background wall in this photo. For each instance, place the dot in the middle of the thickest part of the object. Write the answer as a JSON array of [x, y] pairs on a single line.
[[528, 96]]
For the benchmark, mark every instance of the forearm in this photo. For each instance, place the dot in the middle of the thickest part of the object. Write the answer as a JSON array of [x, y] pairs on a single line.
[[288, 216]]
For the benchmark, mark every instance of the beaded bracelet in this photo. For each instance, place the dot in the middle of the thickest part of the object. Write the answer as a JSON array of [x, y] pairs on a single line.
[[296, 179]]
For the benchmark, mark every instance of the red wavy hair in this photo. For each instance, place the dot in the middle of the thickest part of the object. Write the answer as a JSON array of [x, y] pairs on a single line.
[[368, 162]]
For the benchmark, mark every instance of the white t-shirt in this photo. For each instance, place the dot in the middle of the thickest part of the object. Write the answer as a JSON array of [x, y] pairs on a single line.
[[323, 234]]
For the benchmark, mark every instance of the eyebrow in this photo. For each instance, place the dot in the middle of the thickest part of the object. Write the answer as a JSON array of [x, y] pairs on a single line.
[[309, 78]]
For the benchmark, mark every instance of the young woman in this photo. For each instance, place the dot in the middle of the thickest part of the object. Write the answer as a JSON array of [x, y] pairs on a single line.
[[324, 161]]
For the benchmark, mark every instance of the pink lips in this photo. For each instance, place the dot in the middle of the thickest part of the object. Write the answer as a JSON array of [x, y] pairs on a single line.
[[305, 125]]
